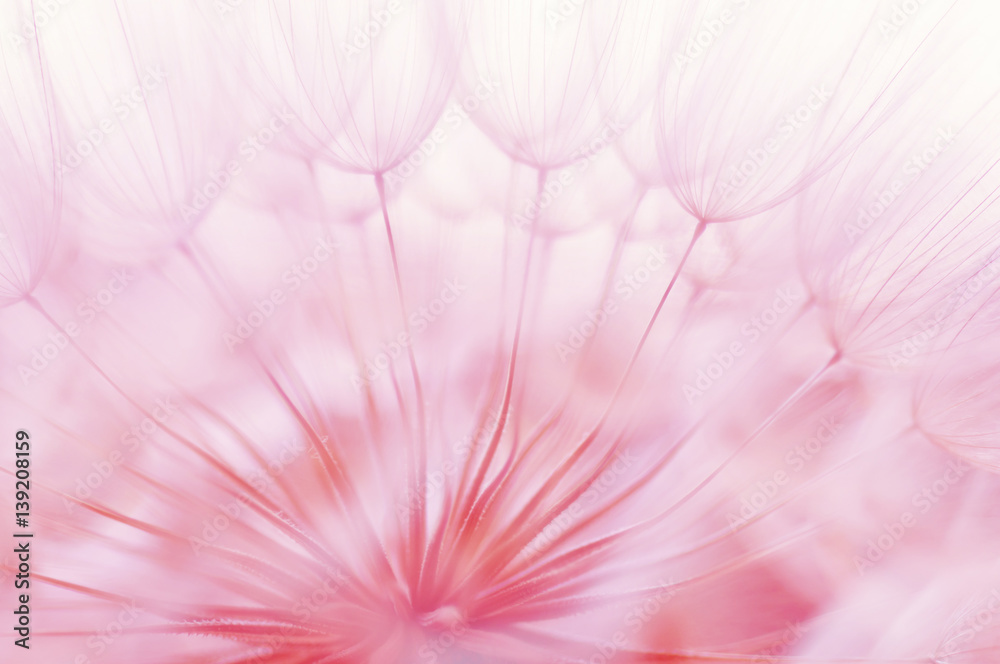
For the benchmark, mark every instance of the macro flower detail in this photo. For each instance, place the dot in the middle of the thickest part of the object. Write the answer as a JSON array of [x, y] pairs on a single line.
[[527, 331]]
